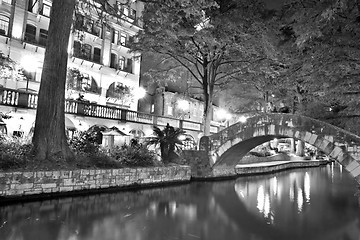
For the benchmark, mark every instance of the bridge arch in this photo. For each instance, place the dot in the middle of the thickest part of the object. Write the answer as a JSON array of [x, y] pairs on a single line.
[[227, 147]]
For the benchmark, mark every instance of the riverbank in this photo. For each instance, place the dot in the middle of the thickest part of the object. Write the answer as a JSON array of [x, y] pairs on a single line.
[[40, 184], [20, 186], [274, 166]]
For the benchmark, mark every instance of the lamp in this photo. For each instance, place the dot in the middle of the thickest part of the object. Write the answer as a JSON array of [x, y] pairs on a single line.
[[139, 93], [223, 115], [28, 63]]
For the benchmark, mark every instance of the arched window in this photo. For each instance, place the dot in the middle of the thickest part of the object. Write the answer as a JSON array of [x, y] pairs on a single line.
[[82, 50], [30, 33], [4, 25]]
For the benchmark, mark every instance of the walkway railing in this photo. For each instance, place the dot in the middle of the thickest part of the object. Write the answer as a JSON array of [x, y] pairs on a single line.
[[28, 100]]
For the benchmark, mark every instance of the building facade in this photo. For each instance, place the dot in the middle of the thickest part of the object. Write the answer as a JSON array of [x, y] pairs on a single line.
[[100, 66], [103, 75]]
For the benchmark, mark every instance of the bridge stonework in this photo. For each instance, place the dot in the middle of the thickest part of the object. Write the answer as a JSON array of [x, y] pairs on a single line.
[[226, 148]]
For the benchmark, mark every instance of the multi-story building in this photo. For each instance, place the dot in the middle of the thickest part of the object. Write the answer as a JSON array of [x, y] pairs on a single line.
[[99, 61], [102, 73], [100, 67]]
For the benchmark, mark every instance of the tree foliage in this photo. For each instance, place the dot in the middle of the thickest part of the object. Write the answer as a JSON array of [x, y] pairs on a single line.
[[319, 44], [212, 40], [168, 140]]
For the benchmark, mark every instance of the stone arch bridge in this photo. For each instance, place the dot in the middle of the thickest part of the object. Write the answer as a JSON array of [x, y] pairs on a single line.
[[226, 148]]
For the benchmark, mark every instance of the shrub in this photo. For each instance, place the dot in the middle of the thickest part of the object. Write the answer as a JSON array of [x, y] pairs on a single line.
[[134, 156], [85, 142], [14, 153], [97, 160]]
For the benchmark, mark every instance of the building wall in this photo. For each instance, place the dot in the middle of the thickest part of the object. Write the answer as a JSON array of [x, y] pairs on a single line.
[[14, 45]]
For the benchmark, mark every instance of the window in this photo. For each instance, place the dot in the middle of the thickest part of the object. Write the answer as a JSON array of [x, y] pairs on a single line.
[[46, 10], [82, 51], [30, 33], [43, 37], [115, 37], [121, 65], [97, 29], [77, 49], [85, 82], [97, 55], [79, 21], [88, 25], [113, 60], [86, 51], [7, 1], [129, 66], [80, 81], [4, 25], [123, 39], [33, 6], [132, 13], [126, 11]]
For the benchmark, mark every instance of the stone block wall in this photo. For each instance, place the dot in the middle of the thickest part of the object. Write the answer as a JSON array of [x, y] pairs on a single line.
[[199, 163], [18, 184]]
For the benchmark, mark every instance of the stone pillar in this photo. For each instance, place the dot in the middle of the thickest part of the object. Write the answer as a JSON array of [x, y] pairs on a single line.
[[159, 102], [300, 146]]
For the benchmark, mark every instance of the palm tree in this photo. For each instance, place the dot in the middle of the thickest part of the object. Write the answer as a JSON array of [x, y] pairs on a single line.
[[168, 139]]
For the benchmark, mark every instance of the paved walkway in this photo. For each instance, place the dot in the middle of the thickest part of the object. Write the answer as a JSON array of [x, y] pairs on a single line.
[[272, 166], [273, 163]]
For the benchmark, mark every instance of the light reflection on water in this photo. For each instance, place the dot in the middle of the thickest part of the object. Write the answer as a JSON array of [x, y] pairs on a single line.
[[312, 203]]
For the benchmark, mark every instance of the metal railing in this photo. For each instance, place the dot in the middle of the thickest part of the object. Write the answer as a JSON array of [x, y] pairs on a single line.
[[16, 98]]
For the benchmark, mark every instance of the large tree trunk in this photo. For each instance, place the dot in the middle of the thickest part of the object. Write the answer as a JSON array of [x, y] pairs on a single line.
[[49, 134], [207, 118]]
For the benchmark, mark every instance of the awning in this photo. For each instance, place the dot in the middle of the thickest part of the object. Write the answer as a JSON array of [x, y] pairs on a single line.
[[69, 124], [114, 131], [137, 133]]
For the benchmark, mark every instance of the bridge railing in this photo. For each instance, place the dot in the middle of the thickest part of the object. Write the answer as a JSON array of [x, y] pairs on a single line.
[[16, 98], [218, 139]]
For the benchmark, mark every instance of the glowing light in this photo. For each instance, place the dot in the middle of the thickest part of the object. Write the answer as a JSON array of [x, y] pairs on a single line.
[[149, 132], [274, 185], [267, 205], [307, 187], [28, 63], [300, 200], [260, 199], [291, 194], [16, 32], [183, 104], [242, 119], [139, 92], [223, 114], [182, 137]]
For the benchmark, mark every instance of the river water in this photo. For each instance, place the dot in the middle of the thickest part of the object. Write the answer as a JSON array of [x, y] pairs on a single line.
[[309, 203]]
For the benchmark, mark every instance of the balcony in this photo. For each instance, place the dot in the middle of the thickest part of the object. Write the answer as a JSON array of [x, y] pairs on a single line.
[[15, 98]]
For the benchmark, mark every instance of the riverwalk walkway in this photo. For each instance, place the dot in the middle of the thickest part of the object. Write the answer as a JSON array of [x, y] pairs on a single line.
[[273, 166]]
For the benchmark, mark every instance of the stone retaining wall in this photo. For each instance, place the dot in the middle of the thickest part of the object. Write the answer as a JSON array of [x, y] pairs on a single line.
[[19, 184]]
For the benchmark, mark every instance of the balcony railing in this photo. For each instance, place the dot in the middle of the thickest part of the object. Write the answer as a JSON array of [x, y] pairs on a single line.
[[28, 100]]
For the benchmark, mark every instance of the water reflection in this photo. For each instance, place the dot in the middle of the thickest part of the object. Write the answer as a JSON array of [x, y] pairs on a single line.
[[316, 203]]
